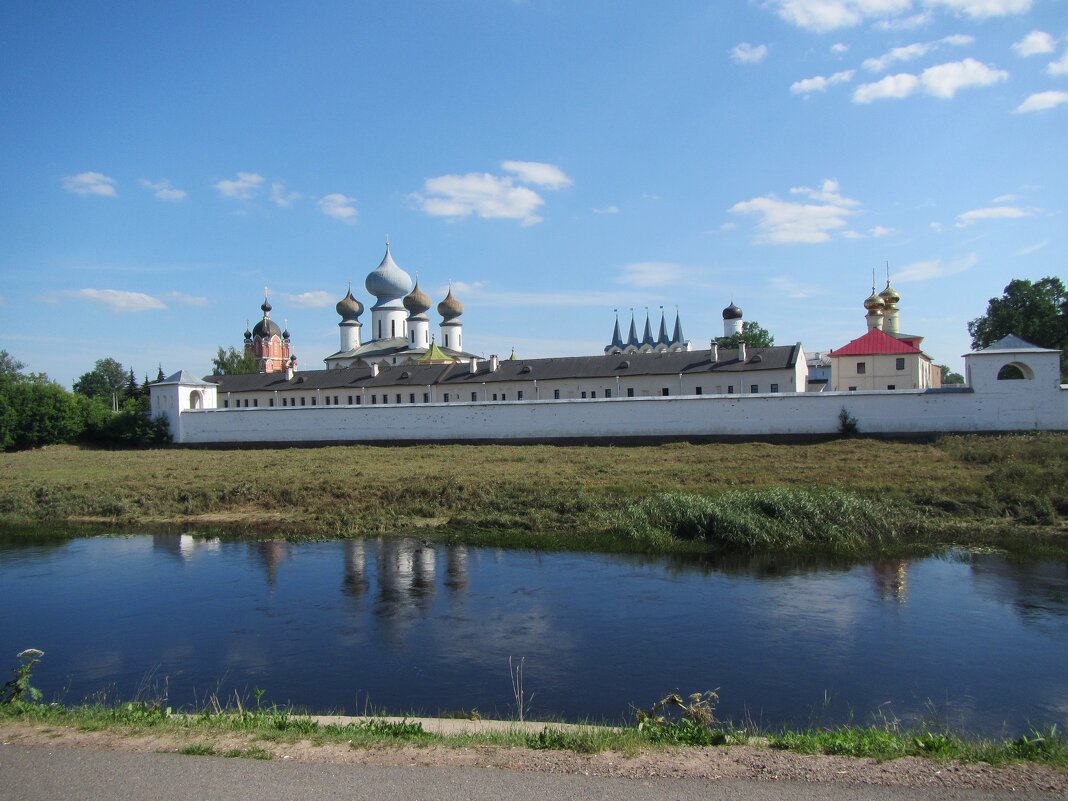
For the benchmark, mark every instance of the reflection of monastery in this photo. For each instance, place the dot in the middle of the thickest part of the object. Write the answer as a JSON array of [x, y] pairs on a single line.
[[405, 382]]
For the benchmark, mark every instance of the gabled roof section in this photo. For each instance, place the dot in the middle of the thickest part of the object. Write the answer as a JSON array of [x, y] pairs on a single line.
[[183, 377], [875, 343], [1013, 343]]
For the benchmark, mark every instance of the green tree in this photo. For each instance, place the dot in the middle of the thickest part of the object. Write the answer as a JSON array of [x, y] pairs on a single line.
[[949, 378], [232, 362], [107, 380], [754, 335], [1036, 312], [43, 414]]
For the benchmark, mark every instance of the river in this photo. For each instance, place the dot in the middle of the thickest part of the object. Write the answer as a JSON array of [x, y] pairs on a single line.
[[972, 641]]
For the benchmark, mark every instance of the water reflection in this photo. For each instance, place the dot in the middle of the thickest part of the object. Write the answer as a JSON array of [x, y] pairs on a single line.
[[429, 626]]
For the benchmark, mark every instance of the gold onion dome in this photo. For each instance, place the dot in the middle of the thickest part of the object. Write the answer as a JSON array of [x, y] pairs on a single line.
[[874, 302], [450, 308], [348, 307], [417, 302], [889, 295]]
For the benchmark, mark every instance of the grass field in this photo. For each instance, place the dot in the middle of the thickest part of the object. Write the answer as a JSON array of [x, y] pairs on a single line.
[[1005, 491]]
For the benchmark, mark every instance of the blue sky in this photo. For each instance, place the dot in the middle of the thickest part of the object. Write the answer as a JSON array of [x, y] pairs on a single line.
[[160, 164]]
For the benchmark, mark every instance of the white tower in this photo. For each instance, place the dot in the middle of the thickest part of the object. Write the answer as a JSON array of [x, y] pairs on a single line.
[[350, 310], [452, 330], [388, 283], [732, 320], [417, 304]]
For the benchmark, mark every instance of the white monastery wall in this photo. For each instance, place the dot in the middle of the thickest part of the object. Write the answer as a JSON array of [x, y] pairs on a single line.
[[893, 412]]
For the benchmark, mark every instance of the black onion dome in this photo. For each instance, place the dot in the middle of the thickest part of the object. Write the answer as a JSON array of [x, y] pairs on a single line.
[[450, 308], [348, 307], [266, 328], [266, 307], [248, 334], [417, 302], [732, 312]]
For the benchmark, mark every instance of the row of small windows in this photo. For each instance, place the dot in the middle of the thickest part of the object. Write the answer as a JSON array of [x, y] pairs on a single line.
[[357, 400]]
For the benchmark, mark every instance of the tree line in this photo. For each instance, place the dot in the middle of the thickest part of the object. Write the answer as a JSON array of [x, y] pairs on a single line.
[[108, 407]]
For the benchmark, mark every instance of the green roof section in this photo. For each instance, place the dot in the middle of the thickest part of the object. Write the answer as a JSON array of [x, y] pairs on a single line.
[[434, 355]]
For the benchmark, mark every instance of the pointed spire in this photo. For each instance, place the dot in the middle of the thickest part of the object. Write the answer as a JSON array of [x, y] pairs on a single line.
[[617, 340], [647, 338], [662, 339], [677, 338], [632, 338]]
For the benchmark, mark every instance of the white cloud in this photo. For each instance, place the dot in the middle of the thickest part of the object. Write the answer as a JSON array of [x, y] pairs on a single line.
[[1034, 44], [942, 81], [728, 226], [482, 194], [983, 9], [163, 190], [920, 20], [880, 230], [992, 213], [649, 274], [1041, 101], [243, 187], [746, 53], [913, 51], [1060, 66], [538, 173], [937, 226], [188, 300], [839, 48], [1005, 199], [891, 87], [945, 80], [462, 288], [829, 15], [280, 197], [934, 268], [785, 223], [340, 207], [819, 83], [827, 193], [118, 300], [606, 210], [1027, 251], [316, 299], [90, 183]]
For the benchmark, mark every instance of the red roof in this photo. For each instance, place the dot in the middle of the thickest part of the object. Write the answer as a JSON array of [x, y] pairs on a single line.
[[876, 342]]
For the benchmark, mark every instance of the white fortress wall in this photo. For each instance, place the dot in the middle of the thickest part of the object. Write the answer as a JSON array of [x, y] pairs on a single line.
[[877, 412]]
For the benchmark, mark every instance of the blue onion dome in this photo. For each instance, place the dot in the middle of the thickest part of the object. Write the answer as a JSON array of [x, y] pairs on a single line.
[[417, 302], [889, 295], [732, 312], [874, 302], [349, 308], [450, 308], [388, 281]]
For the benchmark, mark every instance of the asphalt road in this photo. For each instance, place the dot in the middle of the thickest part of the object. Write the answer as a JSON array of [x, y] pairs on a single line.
[[37, 773]]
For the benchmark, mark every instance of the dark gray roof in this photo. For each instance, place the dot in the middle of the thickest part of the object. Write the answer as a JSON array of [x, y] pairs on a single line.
[[559, 368]]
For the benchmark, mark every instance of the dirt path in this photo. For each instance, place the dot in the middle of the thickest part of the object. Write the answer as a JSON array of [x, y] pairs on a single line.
[[734, 762]]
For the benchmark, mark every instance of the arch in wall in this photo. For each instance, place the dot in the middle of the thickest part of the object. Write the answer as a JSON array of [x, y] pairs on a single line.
[[1015, 371], [196, 399]]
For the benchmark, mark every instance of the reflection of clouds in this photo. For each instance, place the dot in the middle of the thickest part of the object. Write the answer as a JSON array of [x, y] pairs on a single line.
[[355, 582], [406, 570], [456, 568]]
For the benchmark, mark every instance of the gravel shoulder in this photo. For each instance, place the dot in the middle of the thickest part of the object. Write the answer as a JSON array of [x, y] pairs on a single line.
[[744, 762]]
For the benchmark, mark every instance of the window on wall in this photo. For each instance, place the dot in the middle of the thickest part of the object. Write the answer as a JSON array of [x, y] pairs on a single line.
[[519, 395], [584, 394], [630, 392], [399, 398], [327, 400], [426, 397], [862, 368], [374, 400], [256, 402], [359, 400], [608, 393], [303, 401], [270, 401], [696, 390], [730, 389], [774, 387], [393, 328], [495, 396], [664, 391], [350, 400], [446, 397], [503, 396], [226, 404], [556, 394], [474, 396], [335, 400], [754, 388], [446, 340], [385, 397], [891, 386], [900, 363], [852, 389], [411, 397], [313, 401]]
